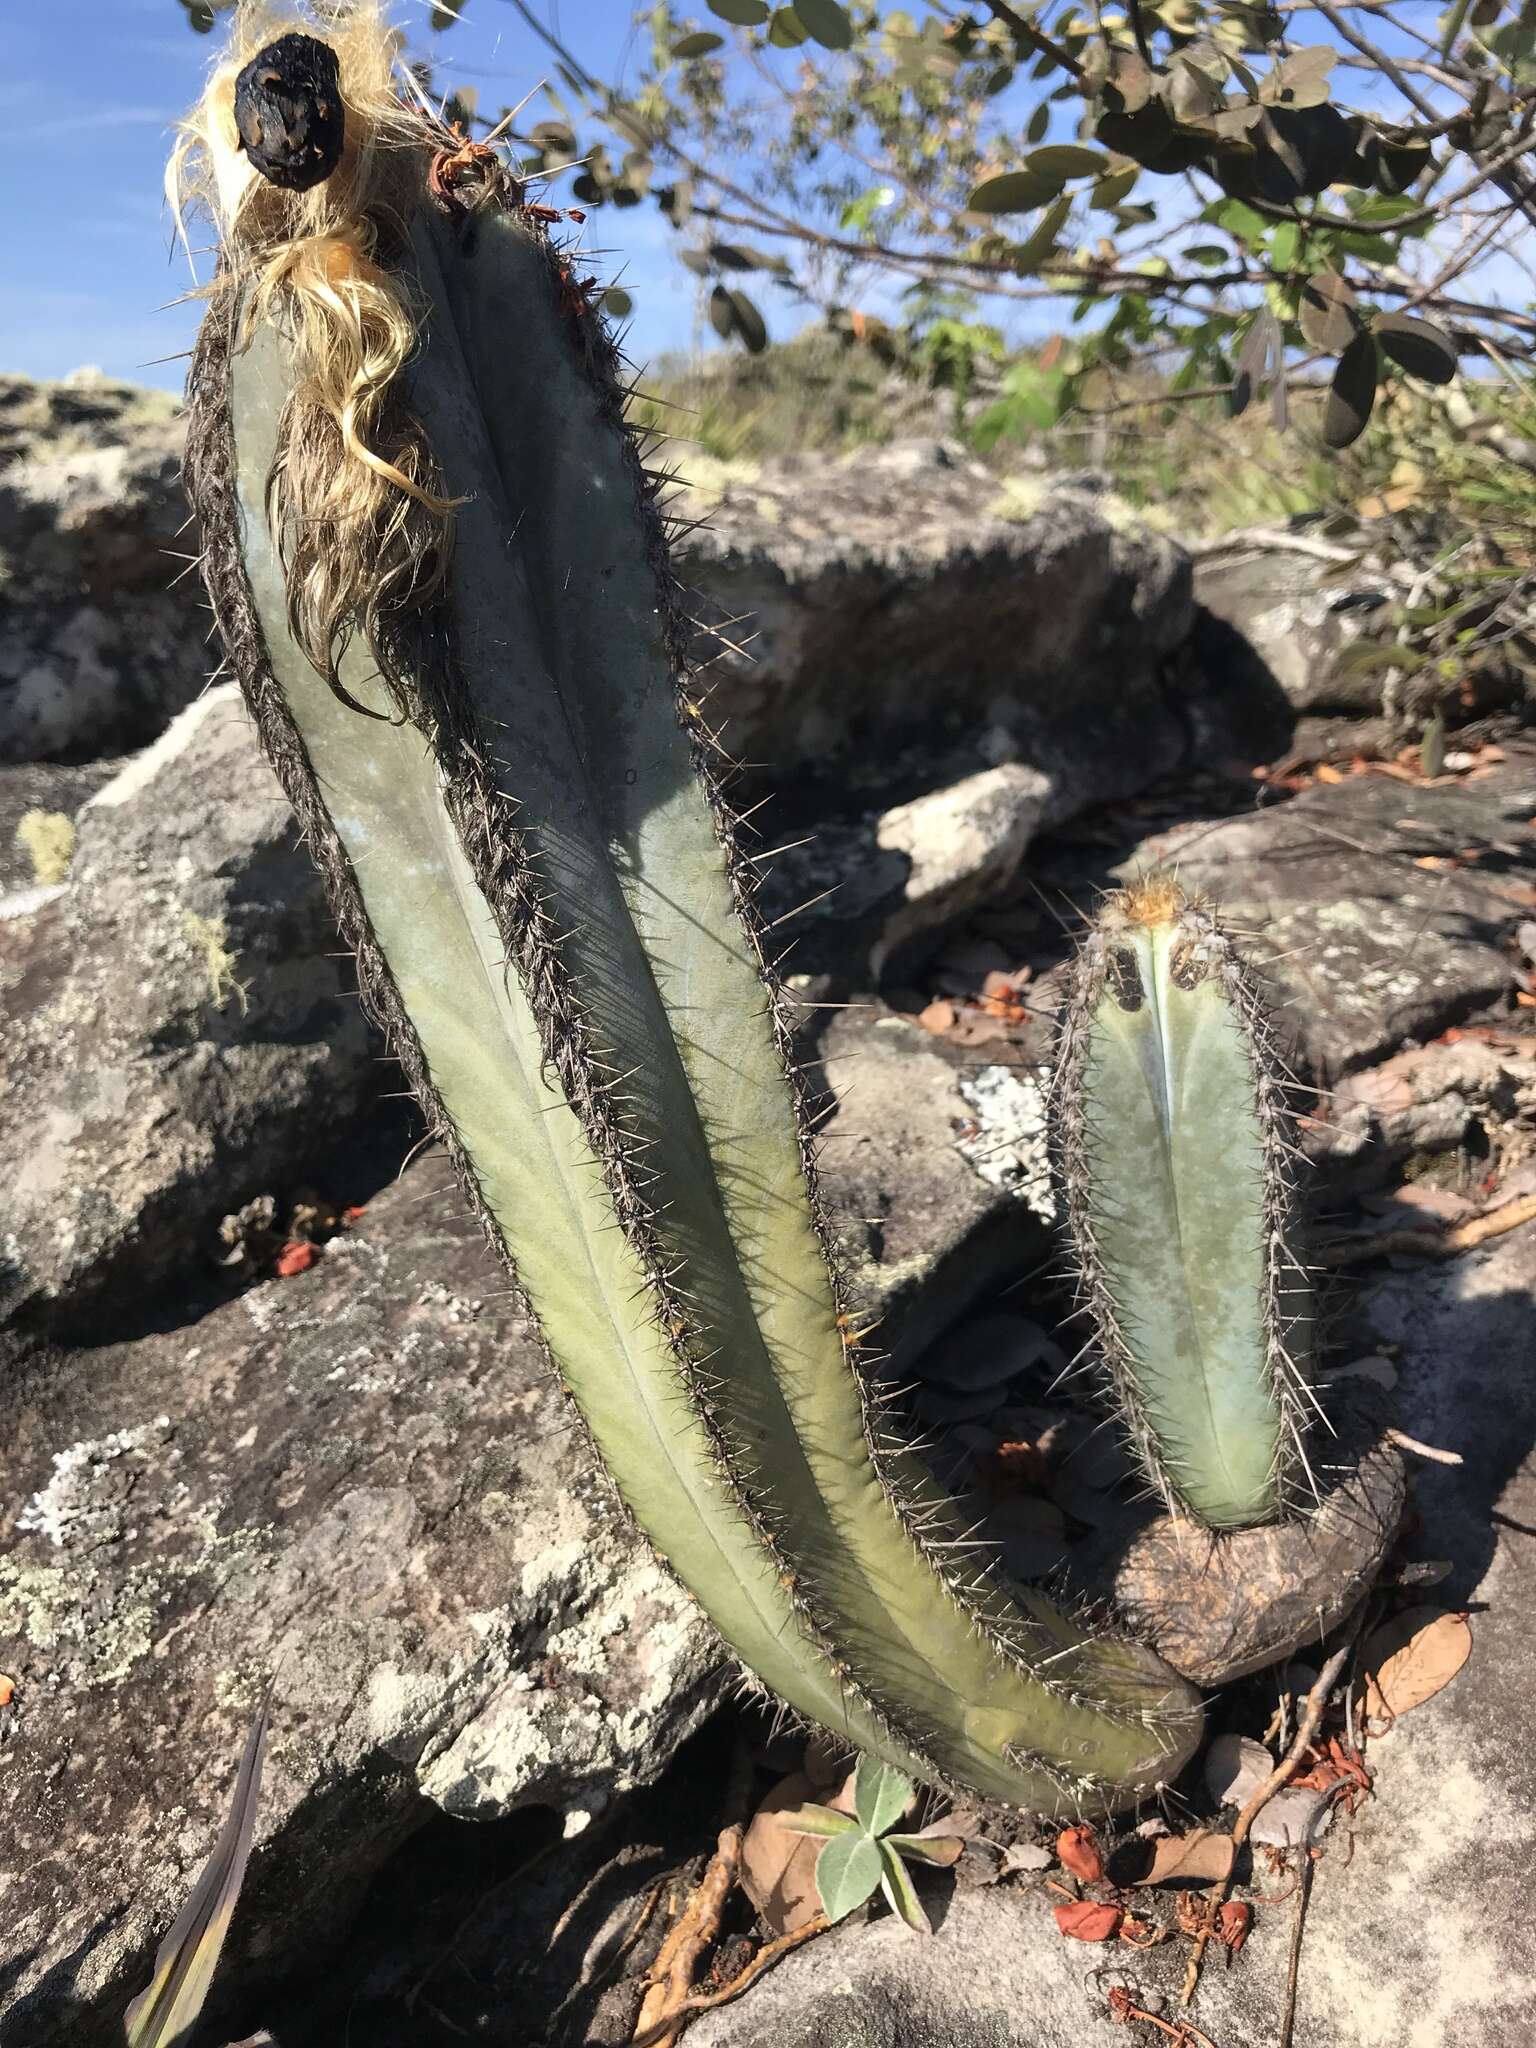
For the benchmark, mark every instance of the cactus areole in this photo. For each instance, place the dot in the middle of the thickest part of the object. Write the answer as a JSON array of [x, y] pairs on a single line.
[[439, 572]]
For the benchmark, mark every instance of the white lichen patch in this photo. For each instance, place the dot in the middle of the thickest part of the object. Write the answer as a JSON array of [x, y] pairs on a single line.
[[1010, 1148], [86, 1501]]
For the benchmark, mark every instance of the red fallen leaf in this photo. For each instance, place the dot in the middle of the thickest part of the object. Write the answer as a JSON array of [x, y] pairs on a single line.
[[296, 1256], [1233, 1923], [1077, 1850], [353, 1211], [1082, 1920]]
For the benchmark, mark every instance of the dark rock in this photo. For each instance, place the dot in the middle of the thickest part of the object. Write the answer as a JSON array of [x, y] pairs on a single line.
[[182, 1034], [103, 638], [1382, 907], [918, 619]]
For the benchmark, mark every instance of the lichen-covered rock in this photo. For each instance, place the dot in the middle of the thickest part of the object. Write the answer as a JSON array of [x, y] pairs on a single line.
[[1378, 911], [180, 1035], [363, 1484], [102, 639]]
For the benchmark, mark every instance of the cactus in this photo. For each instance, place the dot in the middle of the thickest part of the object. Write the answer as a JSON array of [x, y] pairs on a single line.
[[1171, 1134], [438, 569]]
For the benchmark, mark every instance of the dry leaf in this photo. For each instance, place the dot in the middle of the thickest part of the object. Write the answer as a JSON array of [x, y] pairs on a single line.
[[1026, 1856], [1199, 1857], [1233, 1922], [1082, 1920], [1409, 1658], [938, 1018], [778, 1868], [1077, 1850]]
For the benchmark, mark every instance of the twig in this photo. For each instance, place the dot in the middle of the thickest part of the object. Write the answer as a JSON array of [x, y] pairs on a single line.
[[705, 2001], [1293, 1972], [1411, 1443], [697, 1925], [1279, 1777], [1433, 1244]]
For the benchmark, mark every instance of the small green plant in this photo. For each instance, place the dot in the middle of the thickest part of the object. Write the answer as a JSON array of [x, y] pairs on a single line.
[[165, 2013], [859, 1856]]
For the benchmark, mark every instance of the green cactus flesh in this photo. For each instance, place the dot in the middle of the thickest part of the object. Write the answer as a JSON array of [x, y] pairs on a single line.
[[1170, 1129], [550, 922]]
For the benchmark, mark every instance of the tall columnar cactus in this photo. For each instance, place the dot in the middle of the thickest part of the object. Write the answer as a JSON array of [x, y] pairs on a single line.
[[1170, 1128], [439, 572]]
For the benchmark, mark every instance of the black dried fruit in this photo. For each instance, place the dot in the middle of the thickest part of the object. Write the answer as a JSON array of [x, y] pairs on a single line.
[[289, 111]]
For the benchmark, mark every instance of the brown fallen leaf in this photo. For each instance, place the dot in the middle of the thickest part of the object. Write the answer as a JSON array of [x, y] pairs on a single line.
[[1082, 1920], [1077, 1850], [937, 1017], [1409, 1658], [778, 1868], [1200, 1857]]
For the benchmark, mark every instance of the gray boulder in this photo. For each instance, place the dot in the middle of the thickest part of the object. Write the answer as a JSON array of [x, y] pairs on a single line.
[[182, 1036], [102, 639]]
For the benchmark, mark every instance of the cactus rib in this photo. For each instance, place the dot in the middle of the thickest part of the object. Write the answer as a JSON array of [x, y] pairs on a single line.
[[1173, 1139], [561, 947]]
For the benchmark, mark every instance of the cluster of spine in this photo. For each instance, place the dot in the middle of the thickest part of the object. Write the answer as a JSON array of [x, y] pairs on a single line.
[[1175, 1145], [537, 864]]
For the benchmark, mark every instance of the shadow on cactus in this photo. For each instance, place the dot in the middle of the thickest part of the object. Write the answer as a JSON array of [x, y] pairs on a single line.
[[418, 500], [1179, 1166]]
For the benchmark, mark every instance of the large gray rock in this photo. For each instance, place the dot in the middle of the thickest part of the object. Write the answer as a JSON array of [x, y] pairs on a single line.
[[102, 639], [1288, 609], [181, 1035], [913, 619], [362, 1483], [1409, 1942], [1386, 911]]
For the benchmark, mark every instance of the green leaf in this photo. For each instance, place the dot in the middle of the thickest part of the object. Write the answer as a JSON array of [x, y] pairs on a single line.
[[617, 303], [817, 1820], [899, 1892], [1240, 221], [743, 13], [1351, 394], [941, 1850], [1208, 253], [1059, 161], [165, 2013], [1417, 346], [1327, 313], [1027, 258], [880, 1794], [1039, 123], [848, 1870], [1111, 190], [1011, 192], [700, 44], [785, 31], [733, 313], [825, 22]]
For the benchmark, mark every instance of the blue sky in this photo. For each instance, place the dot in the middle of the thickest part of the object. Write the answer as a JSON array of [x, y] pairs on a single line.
[[89, 91]]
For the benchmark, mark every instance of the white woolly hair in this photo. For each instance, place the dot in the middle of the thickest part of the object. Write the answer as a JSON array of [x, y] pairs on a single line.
[[354, 497]]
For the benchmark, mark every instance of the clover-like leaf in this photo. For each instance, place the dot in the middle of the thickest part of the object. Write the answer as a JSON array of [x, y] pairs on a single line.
[[1327, 312], [1352, 393], [940, 1850], [1417, 346], [818, 1820], [900, 1892], [848, 1871], [881, 1794], [742, 13]]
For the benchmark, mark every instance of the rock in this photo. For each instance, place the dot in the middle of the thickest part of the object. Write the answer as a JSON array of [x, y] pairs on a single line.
[[1474, 1094], [362, 1483], [182, 1036], [102, 640], [1410, 1942], [49, 790], [1218, 1607], [1369, 901], [911, 611], [923, 1232], [1285, 610]]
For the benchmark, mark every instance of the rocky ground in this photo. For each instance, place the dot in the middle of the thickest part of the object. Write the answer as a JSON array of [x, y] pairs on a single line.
[[271, 1412]]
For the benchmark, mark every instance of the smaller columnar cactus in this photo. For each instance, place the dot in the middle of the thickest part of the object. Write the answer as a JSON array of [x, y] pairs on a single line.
[[1171, 1131]]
